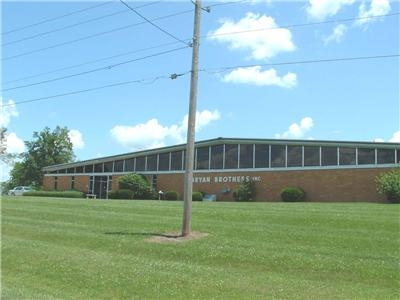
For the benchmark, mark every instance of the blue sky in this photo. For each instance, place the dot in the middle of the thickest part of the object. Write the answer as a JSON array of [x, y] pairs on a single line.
[[269, 69]]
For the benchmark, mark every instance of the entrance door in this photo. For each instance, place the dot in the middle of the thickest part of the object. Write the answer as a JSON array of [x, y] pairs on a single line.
[[101, 184]]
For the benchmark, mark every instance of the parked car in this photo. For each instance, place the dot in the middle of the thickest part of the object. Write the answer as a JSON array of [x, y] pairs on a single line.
[[19, 190]]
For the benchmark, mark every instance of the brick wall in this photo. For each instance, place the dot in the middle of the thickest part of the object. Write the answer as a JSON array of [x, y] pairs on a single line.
[[335, 185]]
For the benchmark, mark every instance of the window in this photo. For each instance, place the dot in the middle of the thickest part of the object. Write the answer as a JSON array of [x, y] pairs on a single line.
[[386, 156], [141, 163], [108, 166], [91, 185], [311, 156], [366, 156], [294, 156], [88, 169], [329, 156], [217, 157], [152, 162], [71, 170], [202, 158], [246, 156], [278, 156], [261, 156], [55, 183], [154, 182], [347, 156], [130, 165], [398, 156], [79, 169], [163, 161], [119, 166], [231, 156], [72, 182], [98, 168], [176, 160]]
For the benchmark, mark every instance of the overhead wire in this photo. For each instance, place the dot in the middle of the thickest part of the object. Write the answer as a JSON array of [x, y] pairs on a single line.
[[140, 81], [219, 70], [89, 62], [92, 36], [214, 35], [57, 18], [311, 61], [209, 35], [300, 25], [74, 25], [95, 70], [153, 24]]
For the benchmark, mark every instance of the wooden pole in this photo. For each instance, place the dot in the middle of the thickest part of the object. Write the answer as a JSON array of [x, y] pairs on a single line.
[[188, 185]]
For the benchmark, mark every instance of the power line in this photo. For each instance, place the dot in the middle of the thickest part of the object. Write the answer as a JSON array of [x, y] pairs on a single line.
[[187, 11], [224, 69], [301, 25], [88, 62], [140, 81], [56, 18], [239, 32], [92, 36], [94, 70], [74, 25], [153, 24], [216, 70]]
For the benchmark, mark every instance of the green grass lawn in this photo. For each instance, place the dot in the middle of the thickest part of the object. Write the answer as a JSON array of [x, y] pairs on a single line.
[[97, 249]]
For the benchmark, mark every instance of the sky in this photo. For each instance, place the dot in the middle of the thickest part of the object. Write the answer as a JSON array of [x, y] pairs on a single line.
[[117, 74]]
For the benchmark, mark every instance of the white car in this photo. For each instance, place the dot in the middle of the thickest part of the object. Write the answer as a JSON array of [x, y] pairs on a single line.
[[19, 190]]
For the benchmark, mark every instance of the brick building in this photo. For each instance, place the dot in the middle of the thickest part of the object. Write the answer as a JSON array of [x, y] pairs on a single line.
[[326, 170]]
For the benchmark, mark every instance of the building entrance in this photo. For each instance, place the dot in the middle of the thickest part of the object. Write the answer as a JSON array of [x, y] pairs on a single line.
[[100, 185]]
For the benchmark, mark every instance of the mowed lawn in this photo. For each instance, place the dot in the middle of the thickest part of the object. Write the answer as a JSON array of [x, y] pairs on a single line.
[[98, 249]]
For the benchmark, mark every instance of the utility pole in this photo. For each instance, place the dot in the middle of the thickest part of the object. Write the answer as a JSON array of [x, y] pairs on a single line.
[[188, 185]]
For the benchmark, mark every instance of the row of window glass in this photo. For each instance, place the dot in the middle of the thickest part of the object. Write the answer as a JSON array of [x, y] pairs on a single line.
[[247, 156]]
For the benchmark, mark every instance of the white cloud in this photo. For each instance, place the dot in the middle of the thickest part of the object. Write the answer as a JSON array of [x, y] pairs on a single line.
[[7, 110], [337, 34], [322, 9], [152, 134], [251, 33], [376, 8], [254, 75], [76, 139], [15, 145], [296, 131], [394, 139], [379, 140]]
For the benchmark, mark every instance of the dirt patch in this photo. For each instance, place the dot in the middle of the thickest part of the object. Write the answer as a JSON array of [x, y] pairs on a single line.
[[175, 237]]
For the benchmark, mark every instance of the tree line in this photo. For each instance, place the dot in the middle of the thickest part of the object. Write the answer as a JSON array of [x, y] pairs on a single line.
[[47, 147]]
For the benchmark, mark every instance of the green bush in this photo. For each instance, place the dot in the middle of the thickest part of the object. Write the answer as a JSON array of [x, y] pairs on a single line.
[[171, 195], [293, 194], [388, 183], [197, 196], [139, 185], [245, 191], [121, 194], [56, 194]]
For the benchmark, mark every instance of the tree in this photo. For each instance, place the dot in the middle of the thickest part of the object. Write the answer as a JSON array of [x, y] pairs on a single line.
[[5, 157], [47, 148], [246, 191], [138, 184], [388, 183]]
